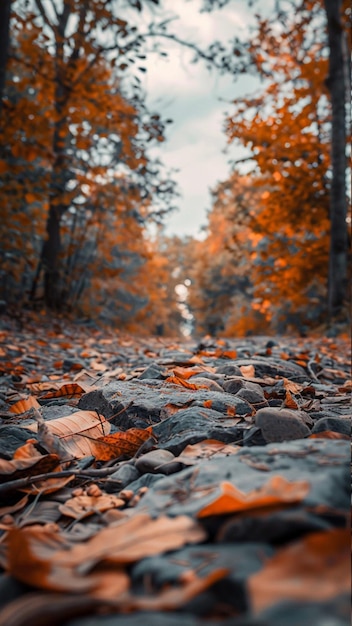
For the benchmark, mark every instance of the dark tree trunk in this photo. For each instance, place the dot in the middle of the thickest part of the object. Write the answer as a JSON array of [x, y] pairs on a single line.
[[5, 10], [336, 83], [50, 260]]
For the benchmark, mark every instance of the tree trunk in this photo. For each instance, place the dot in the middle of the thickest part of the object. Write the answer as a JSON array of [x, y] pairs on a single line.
[[338, 198], [5, 11], [50, 260]]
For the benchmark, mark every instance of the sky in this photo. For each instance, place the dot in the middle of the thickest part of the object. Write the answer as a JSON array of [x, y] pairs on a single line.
[[196, 100]]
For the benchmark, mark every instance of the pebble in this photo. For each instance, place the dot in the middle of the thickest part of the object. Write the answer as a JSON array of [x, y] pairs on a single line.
[[153, 461], [281, 424]]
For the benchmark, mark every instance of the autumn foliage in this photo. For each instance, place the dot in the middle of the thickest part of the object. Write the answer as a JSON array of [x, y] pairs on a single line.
[[79, 190]]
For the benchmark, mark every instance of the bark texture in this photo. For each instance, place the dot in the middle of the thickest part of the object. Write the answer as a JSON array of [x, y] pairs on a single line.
[[336, 83]]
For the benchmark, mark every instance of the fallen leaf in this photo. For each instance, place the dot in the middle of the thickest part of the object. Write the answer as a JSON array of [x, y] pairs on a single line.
[[68, 390], [175, 380], [290, 402], [313, 569], [76, 431], [39, 556], [328, 434], [20, 468], [126, 443], [84, 505], [23, 405], [248, 371], [276, 491], [207, 448]]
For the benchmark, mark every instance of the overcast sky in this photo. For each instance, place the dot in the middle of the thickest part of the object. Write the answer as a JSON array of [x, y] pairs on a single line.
[[191, 96]]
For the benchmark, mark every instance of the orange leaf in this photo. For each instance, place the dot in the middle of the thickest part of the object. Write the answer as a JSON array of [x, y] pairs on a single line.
[[207, 404], [21, 406], [78, 431], [118, 444], [40, 557], [84, 505], [208, 448], [314, 569], [188, 372], [184, 383], [276, 491], [20, 468], [290, 402], [248, 371], [69, 390], [328, 434]]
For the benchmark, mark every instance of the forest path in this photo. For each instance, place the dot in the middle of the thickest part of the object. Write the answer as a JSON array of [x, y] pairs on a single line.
[[147, 480]]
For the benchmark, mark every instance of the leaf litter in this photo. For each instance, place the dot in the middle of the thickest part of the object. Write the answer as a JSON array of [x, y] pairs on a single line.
[[81, 512]]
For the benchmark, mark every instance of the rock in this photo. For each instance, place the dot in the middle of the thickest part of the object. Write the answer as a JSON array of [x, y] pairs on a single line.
[[194, 424], [11, 438], [126, 474], [206, 382], [230, 369], [336, 424], [138, 403], [153, 461], [265, 366], [322, 463], [153, 371], [253, 396], [281, 424], [241, 561]]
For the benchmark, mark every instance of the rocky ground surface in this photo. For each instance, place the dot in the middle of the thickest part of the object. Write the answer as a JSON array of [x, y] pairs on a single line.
[[154, 482]]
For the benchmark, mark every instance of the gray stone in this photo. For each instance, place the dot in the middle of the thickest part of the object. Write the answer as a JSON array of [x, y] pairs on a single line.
[[264, 366], [11, 438], [281, 424], [322, 463], [153, 461], [125, 474], [139, 403], [189, 426], [337, 425], [153, 371]]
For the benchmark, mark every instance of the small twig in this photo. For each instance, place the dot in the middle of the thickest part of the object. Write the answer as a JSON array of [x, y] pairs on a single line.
[[20, 483]]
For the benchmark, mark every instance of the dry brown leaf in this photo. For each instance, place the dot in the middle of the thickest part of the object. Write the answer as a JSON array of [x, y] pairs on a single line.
[[20, 468], [77, 431], [23, 405], [68, 390], [40, 557], [84, 505], [328, 434], [248, 371], [188, 372], [133, 539], [276, 491], [316, 568], [292, 386], [290, 402], [175, 380], [118, 444], [31, 552], [49, 485], [207, 448]]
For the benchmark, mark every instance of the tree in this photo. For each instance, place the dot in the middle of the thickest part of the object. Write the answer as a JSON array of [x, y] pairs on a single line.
[[5, 11], [337, 82], [79, 153], [286, 129], [221, 289]]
